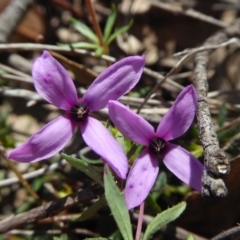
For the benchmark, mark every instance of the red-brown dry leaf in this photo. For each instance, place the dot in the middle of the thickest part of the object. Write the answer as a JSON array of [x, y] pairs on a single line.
[[210, 217], [31, 26], [3, 4], [82, 74]]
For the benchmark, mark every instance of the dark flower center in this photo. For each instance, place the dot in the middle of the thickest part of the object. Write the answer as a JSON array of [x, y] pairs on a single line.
[[157, 145], [79, 112]]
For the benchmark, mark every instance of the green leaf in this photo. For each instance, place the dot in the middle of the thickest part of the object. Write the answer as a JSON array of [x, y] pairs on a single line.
[[228, 133], [152, 203], [38, 182], [190, 237], [93, 209], [121, 140], [91, 161], [84, 30], [99, 52], [115, 235], [83, 45], [159, 184], [194, 132], [84, 167], [134, 152], [119, 31], [163, 219], [25, 206], [110, 23], [222, 115], [97, 238], [117, 205], [62, 237], [196, 149]]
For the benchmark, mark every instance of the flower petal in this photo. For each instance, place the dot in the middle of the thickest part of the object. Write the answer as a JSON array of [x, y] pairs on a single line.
[[100, 140], [53, 83], [130, 124], [180, 116], [184, 165], [114, 82], [46, 142], [141, 179]]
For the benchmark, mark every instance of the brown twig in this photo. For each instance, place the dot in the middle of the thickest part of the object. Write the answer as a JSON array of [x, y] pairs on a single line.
[[51, 208], [215, 160], [96, 26], [21, 179]]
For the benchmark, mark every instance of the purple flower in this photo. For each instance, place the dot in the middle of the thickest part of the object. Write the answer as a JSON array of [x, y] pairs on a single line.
[[145, 169], [54, 84]]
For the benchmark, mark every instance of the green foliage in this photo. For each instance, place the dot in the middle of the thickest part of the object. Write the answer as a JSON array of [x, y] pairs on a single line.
[[152, 203], [83, 167], [115, 236], [62, 237], [155, 193], [84, 30], [119, 32], [142, 92], [108, 34], [163, 219], [93, 209], [26, 206], [84, 45], [159, 184], [181, 190], [222, 115], [194, 132], [228, 133], [110, 23], [190, 237], [97, 238], [195, 149], [120, 138], [6, 131], [91, 161], [117, 205], [38, 182]]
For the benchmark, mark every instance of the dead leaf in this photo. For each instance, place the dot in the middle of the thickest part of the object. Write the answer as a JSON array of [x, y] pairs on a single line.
[[31, 26], [82, 74]]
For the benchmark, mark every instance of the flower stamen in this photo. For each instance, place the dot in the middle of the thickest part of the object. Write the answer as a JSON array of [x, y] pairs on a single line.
[[79, 112], [157, 145]]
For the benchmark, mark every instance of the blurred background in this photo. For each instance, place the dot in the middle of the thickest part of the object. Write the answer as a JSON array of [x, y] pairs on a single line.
[[156, 29]]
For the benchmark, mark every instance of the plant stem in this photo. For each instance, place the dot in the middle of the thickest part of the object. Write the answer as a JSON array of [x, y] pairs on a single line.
[[140, 221], [21, 179], [96, 26]]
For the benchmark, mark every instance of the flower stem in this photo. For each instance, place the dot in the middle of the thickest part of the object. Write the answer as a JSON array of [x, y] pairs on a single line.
[[140, 221], [96, 26], [21, 179]]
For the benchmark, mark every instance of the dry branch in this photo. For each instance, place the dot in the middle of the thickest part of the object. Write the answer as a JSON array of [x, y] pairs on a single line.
[[51, 208], [215, 160]]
